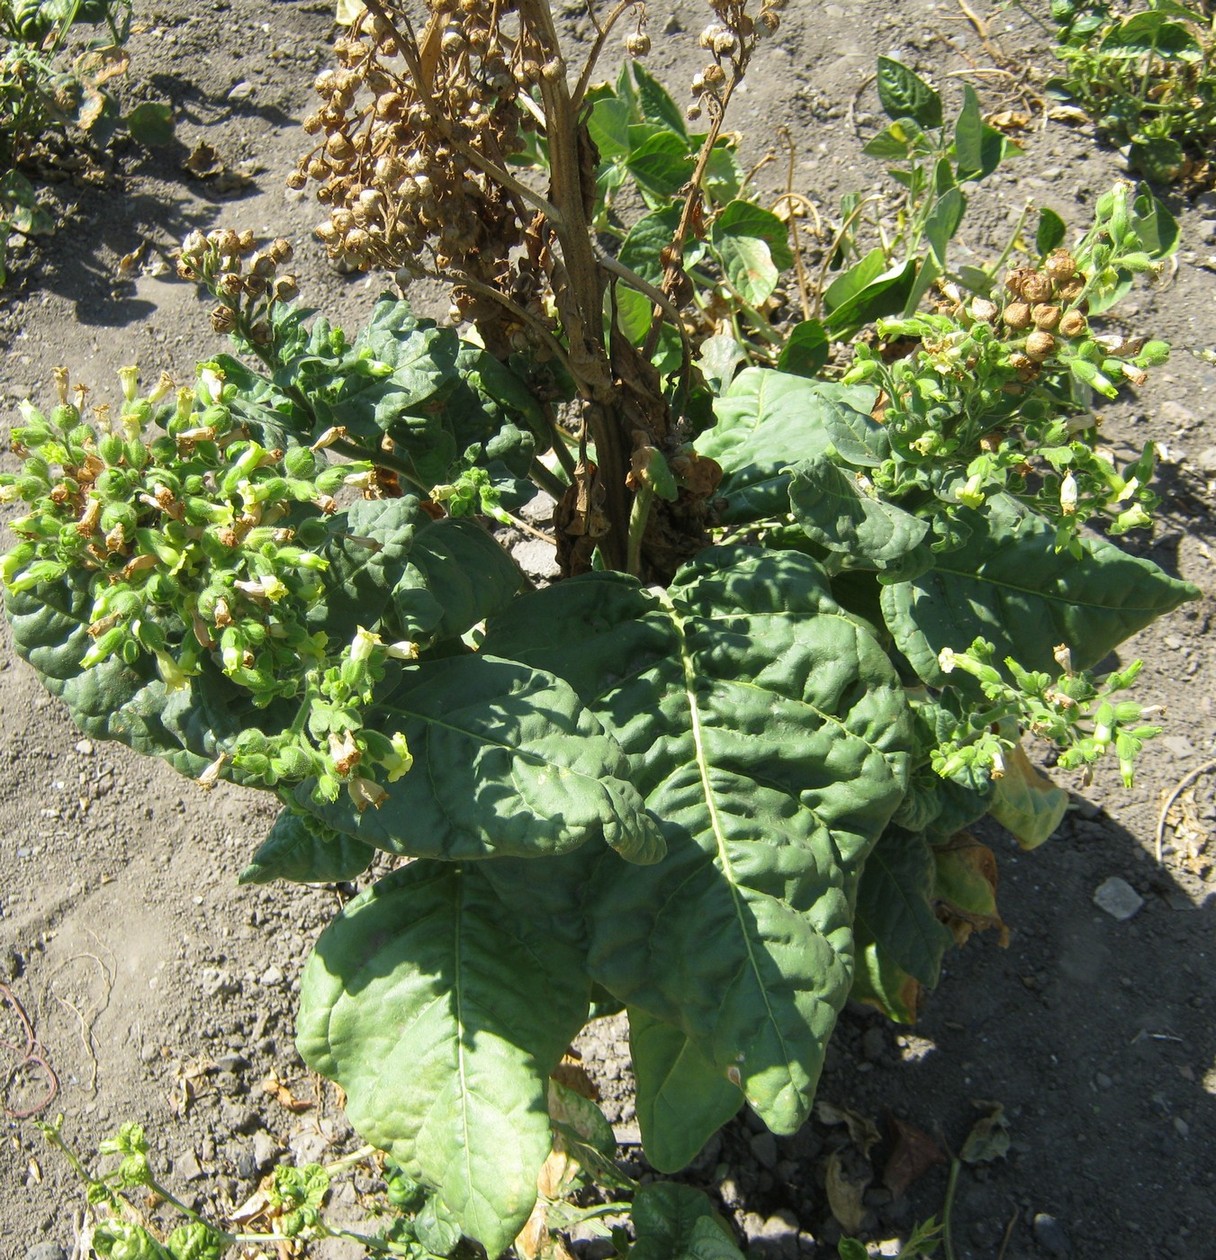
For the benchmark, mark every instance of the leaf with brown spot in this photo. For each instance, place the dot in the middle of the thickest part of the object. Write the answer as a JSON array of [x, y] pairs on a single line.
[[965, 889]]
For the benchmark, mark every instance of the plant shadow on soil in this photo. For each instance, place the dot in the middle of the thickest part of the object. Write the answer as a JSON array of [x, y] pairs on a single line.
[[1095, 1070]]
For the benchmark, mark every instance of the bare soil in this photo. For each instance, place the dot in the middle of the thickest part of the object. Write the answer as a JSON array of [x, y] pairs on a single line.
[[163, 992]]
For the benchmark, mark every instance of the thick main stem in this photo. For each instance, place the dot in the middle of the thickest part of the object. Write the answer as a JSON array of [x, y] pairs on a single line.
[[579, 285]]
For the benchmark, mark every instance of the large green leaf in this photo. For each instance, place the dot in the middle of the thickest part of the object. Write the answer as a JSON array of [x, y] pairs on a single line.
[[302, 850], [1008, 584], [894, 907], [752, 246], [769, 420], [681, 1097], [829, 504], [441, 1011], [507, 762], [769, 734]]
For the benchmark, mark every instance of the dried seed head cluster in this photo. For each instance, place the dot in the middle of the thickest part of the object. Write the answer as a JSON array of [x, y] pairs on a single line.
[[1046, 305], [730, 41], [244, 278], [407, 126]]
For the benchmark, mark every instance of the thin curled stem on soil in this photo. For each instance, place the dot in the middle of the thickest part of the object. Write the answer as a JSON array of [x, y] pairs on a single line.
[[32, 1053], [1177, 790]]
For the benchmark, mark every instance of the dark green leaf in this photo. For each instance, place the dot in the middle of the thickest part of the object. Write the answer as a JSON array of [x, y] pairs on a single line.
[[894, 906], [1151, 34], [506, 762], [661, 166], [943, 221], [151, 123], [978, 148], [769, 420], [1051, 232], [904, 94], [441, 1011], [806, 349], [681, 1096], [1009, 585], [608, 126], [1160, 159], [677, 1222], [306, 852], [641, 249], [828, 503], [768, 732], [744, 219], [868, 291], [656, 104]]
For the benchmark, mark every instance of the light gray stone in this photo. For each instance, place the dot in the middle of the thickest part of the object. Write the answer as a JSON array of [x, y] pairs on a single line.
[[1118, 898]]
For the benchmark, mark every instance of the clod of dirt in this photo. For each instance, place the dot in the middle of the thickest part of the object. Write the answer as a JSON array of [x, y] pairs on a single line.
[[1050, 1235]]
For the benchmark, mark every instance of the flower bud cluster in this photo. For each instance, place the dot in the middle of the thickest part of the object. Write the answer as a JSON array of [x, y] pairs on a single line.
[[985, 401], [203, 549], [246, 280], [399, 131]]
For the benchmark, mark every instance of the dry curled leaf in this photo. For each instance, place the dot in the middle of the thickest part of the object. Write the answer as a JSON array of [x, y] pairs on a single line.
[[846, 1193], [913, 1154], [278, 1089], [989, 1136]]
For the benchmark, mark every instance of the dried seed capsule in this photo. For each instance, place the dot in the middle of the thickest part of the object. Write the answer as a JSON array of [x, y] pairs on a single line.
[[1017, 315], [338, 148], [983, 310], [1073, 324], [1040, 346], [1071, 289], [1045, 315], [637, 44], [1036, 287], [1060, 265]]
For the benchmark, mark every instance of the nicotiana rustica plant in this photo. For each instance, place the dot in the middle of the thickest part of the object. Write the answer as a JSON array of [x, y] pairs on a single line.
[[720, 773]]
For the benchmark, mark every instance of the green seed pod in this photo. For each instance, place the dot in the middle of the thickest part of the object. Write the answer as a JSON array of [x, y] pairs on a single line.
[[163, 451], [162, 589], [300, 462], [114, 484], [118, 514], [112, 449], [150, 635], [130, 652], [312, 532], [65, 417], [138, 454], [294, 762]]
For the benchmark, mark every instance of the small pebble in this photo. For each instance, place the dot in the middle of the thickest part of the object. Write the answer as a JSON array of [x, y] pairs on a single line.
[[46, 1251], [1118, 898], [242, 91], [1050, 1235]]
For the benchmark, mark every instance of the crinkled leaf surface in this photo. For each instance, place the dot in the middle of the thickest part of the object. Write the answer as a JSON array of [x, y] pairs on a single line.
[[769, 735], [769, 420], [829, 504], [507, 762], [681, 1095], [1008, 585], [894, 904], [431, 579], [305, 851], [441, 1010]]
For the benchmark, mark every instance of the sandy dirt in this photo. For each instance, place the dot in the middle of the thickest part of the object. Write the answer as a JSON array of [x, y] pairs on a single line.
[[163, 992]]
